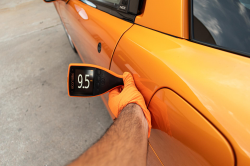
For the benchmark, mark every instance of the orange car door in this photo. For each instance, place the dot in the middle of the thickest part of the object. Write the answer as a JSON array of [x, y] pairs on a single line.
[[180, 134], [93, 30]]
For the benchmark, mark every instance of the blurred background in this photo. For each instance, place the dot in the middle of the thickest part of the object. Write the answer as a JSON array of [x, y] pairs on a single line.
[[39, 123]]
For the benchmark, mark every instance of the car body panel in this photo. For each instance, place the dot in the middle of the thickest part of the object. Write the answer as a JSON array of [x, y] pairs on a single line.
[[211, 82], [89, 26], [169, 17], [214, 82], [181, 136]]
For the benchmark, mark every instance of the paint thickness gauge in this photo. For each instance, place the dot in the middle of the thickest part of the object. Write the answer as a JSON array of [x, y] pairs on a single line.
[[87, 80]]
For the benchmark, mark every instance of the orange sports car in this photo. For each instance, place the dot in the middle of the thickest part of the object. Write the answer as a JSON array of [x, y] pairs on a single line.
[[190, 60]]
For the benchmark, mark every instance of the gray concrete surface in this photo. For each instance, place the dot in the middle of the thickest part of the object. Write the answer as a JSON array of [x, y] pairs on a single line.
[[39, 124]]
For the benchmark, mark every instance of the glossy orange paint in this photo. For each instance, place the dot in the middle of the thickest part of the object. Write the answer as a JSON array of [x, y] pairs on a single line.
[[89, 26], [166, 16], [189, 138], [214, 82]]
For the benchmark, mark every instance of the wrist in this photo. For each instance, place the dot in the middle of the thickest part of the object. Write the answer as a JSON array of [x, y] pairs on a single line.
[[134, 109], [135, 114]]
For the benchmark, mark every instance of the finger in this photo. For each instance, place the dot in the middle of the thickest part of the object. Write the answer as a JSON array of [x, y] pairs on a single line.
[[128, 80], [114, 92]]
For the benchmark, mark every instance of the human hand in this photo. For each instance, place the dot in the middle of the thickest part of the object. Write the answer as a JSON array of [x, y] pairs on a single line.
[[122, 96]]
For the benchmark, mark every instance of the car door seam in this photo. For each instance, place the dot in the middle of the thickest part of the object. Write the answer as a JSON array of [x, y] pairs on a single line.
[[116, 46]]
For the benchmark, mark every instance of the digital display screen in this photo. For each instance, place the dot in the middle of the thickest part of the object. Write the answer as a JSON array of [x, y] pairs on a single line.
[[84, 81]]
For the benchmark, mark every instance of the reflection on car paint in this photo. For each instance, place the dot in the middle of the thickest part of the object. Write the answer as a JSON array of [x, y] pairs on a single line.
[[81, 12]]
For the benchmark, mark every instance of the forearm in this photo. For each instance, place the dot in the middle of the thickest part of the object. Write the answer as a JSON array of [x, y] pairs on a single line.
[[125, 142]]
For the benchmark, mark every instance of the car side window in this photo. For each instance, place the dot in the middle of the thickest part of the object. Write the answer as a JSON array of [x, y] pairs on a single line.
[[223, 24], [113, 4], [124, 9], [112, 1]]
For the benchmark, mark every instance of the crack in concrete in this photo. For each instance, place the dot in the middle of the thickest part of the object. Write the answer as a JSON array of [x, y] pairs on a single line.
[[24, 34]]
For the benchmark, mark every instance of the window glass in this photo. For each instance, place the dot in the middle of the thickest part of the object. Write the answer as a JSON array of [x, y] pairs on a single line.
[[89, 3], [223, 23], [113, 7], [113, 1], [108, 2]]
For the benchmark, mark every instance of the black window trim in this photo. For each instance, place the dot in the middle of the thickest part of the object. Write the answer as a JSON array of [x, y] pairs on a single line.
[[191, 36], [107, 6], [104, 3]]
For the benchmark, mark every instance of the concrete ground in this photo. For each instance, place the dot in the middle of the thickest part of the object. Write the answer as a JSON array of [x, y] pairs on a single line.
[[39, 124]]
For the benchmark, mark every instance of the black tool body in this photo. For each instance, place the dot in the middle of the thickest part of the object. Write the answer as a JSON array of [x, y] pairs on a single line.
[[86, 80]]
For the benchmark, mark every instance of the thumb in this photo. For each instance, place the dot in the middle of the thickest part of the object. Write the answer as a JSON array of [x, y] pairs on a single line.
[[128, 80]]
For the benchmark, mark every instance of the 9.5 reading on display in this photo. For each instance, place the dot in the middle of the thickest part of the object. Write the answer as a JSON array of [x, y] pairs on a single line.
[[84, 81]]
